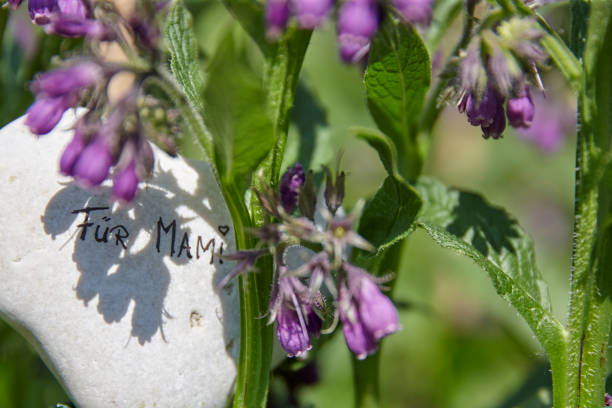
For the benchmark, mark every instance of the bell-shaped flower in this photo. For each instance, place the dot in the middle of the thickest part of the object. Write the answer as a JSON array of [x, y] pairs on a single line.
[[277, 16], [125, 183], [289, 187], [46, 112], [68, 80], [357, 22], [520, 110], [93, 165], [72, 152], [311, 13], [290, 331], [414, 11]]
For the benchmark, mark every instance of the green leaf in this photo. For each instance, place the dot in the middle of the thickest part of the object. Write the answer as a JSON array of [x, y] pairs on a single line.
[[384, 147], [186, 73], [467, 224], [396, 81], [236, 113]]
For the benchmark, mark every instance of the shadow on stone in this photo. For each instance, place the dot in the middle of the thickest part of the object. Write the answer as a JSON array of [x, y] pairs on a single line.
[[124, 253]]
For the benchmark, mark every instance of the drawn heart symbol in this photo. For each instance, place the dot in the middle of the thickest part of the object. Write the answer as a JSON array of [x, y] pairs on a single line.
[[224, 229]]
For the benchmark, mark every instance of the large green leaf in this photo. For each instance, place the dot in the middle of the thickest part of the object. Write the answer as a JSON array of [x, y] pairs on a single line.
[[396, 81], [466, 223], [236, 112]]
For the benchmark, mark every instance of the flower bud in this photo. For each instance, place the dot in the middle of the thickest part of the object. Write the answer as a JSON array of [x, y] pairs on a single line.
[[64, 80], [277, 16], [310, 13], [290, 333], [125, 183], [45, 113], [357, 23], [496, 127], [289, 187], [414, 11], [71, 153], [307, 197], [42, 10], [520, 110], [93, 164]]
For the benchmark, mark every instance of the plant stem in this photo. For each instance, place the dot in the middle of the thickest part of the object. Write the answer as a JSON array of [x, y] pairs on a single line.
[[590, 306]]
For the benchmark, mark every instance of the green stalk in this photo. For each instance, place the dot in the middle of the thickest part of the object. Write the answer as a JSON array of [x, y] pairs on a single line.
[[590, 305]]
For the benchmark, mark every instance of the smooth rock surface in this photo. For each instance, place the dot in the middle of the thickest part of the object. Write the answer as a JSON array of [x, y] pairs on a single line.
[[123, 319]]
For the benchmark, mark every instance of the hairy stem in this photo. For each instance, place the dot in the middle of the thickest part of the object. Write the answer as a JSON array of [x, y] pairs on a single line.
[[590, 306]]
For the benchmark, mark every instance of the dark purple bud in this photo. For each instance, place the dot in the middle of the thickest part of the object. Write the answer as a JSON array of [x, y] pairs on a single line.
[[71, 26], [357, 23], [313, 322], [310, 13], [357, 338], [14, 3], [376, 311], [520, 110], [125, 183], [334, 190], [497, 126], [414, 11], [307, 197], [484, 112], [290, 332], [41, 11], [45, 113], [277, 16], [72, 152], [65, 80], [289, 187], [93, 164]]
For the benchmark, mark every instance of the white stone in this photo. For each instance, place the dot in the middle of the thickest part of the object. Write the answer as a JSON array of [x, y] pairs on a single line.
[[119, 327]]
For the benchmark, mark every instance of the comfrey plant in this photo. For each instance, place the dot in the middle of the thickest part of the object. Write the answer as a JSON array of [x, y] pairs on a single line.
[[316, 265], [296, 301]]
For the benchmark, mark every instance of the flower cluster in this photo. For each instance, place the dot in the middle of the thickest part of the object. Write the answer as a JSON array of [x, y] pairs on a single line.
[[310, 241], [111, 133], [358, 20], [492, 77]]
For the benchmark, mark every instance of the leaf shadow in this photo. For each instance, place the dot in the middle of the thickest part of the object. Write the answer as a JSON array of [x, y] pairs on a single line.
[[121, 263], [491, 226]]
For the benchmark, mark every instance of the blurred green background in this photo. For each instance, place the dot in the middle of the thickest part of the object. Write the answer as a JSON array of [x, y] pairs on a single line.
[[460, 346]]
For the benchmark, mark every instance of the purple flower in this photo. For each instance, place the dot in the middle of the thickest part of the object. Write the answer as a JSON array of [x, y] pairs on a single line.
[[497, 126], [520, 110], [72, 152], [366, 314], [125, 183], [289, 187], [608, 400], [414, 11], [290, 331], [277, 16], [357, 23], [46, 112], [93, 164], [72, 26], [42, 10], [310, 13], [65, 80], [483, 113]]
